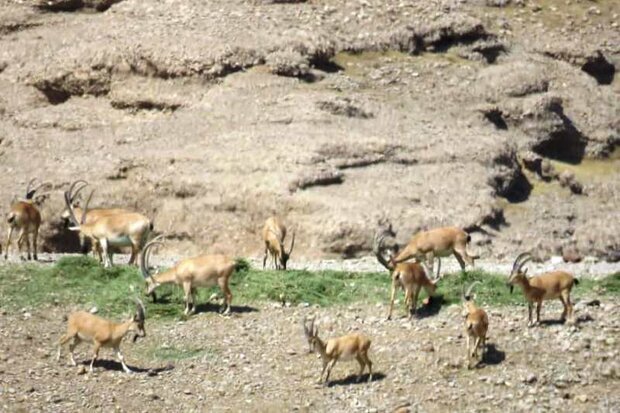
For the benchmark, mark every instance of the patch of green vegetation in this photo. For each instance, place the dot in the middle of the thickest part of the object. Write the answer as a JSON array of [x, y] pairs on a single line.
[[171, 353], [76, 282]]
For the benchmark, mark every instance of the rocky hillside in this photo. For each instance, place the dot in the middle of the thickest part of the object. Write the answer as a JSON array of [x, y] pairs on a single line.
[[338, 115]]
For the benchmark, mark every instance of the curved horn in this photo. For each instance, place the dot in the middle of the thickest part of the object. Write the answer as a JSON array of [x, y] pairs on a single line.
[[468, 293], [144, 256], [70, 208], [377, 249], [73, 193], [140, 309], [519, 261], [290, 250], [30, 191]]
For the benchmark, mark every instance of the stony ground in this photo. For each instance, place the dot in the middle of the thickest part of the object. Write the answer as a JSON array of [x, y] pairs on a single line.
[[257, 360], [339, 116]]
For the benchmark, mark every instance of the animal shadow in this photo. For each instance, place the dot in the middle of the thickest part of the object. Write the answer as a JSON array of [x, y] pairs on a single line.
[[430, 309], [113, 365], [493, 356], [210, 307], [352, 379]]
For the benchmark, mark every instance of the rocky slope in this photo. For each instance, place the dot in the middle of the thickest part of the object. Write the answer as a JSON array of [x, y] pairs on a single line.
[[339, 116]]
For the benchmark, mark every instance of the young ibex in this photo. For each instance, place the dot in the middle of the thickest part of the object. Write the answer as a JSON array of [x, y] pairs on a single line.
[[410, 276], [191, 273], [84, 326], [349, 347], [438, 242], [116, 230], [93, 215], [476, 325], [547, 286], [274, 233], [25, 216]]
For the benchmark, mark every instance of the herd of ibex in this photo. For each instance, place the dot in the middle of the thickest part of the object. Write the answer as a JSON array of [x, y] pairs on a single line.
[[109, 228]]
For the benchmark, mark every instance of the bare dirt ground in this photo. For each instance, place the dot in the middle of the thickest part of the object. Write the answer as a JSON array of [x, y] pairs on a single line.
[[339, 116], [256, 360]]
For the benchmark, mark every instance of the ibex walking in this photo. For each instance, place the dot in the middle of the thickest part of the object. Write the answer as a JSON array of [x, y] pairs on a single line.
[[274, 233], [349, 347], [119, 230], [84, 326], [438, 242], [476, 325], [191, 273], [547, 286], [410, 276], [25, 216]]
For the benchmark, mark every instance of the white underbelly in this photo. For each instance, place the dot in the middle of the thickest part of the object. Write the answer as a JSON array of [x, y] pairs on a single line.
[[84, 337], [120, 241]]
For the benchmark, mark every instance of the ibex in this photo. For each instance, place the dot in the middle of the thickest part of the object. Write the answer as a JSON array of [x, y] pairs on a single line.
[[438, 242], [410, 276], [25, 216], [547, 286], [274, 233], [93, 215], [349, 347], [117, 230], [191, 273], [476, 325], [84, 326]]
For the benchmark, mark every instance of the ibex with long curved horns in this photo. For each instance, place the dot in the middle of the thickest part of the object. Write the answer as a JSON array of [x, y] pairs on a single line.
[[547, 286], [93, 215], [438, 242], [25, 216], [410, 276], [274, 233], [476, 324], [116, 230], [191, 273]]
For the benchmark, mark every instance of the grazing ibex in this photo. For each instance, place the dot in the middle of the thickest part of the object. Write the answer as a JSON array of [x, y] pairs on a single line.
[[191, 273], [410, 276], [349, 347], [25, 216], [547, 286], [476, 325], [116, 230], [93, 215], [274, 233], [84, 326], [438, 242]]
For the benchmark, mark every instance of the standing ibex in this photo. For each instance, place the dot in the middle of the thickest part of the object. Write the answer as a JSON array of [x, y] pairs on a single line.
[[116, 230], [476, 325], [438, 242], [410, 276], [349, 347], [547, 286], [84, 326], [191, 273], [93, 215], [274, 233], [25, 216]]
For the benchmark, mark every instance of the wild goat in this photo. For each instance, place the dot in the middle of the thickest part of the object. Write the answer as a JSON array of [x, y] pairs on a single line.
[[351, 346], [117, 230], [476, 325], [84, 326], [547, 286], [25, 216], [438, 242], [274, 233], [410, 276], [93, 215], [191, 273]]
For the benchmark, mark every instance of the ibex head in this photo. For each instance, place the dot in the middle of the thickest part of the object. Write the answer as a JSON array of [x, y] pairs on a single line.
[[518, 274]]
